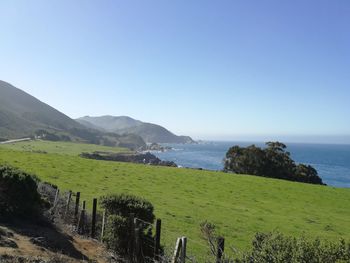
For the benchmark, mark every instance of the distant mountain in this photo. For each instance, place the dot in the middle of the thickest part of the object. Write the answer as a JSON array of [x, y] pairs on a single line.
[[110, 123], [150, 133], [22, 115]]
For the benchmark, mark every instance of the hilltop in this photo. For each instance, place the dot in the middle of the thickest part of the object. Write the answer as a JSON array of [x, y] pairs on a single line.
[[150, 133], [22, 115]]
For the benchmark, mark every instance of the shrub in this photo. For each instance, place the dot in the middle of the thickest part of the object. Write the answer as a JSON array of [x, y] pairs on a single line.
[[18, 193], [124, 204], [208, 233], [115, 234], [278, 248], [118, 234]]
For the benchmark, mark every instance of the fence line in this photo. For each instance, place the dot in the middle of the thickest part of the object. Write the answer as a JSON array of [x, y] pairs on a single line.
[[85, 223]]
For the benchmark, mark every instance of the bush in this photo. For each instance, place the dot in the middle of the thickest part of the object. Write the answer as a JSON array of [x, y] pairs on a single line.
[[115, 234], [18, 193], [278, 248], [118, 234], [124, 204]]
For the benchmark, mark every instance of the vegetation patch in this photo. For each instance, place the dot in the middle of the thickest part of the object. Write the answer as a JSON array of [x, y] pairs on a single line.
[[276, 248], [66, 148], [120, 229], [144, 158], [18, 193], [238, 205], [273, 161]]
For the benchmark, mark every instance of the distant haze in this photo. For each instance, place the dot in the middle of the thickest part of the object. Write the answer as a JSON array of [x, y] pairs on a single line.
[[224, 70], [317, 139], [149, 132]]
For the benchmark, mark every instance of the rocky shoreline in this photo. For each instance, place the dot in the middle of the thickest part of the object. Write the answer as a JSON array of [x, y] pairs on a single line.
[[142, 158], [154, 147]]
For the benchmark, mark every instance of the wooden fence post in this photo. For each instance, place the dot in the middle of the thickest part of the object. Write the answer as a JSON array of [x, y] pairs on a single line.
[[176, 250], [56, 198], [68, 204], [131, 236], [81, 222], [138, 245], [103, 224], [76, 209], [183, 249], [93, 220], [220, 249], [157, 239]]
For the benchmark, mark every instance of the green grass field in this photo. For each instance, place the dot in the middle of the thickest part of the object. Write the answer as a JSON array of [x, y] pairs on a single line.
[[68, 148], [239, 205]]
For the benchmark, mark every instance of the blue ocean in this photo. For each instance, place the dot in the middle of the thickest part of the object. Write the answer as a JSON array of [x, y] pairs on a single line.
[[332, 162]]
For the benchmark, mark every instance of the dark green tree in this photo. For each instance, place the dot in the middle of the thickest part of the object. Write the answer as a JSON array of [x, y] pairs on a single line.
[[279, 164], [250, 160], [308, 173], [272, 161]]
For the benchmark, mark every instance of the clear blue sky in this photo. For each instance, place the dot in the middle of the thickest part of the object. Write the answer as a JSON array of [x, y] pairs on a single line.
[[209, 69]]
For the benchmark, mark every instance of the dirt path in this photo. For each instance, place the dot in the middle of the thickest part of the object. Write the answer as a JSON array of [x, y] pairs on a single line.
[[16, 140], [68, 248]]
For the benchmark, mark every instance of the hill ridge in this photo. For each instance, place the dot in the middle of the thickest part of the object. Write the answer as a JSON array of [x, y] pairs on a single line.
[[150, 132], [23, 115]]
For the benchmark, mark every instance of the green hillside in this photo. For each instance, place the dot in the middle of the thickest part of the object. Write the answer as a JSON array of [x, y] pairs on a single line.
[[239, 205], [68, 148], [22, 115]]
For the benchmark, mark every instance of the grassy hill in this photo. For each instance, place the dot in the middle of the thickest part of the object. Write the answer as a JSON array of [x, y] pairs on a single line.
[[67, 148], [151, 133], [239, 205], [22, 115]]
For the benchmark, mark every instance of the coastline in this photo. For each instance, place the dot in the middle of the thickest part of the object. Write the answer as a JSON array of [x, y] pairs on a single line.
[[332, 161]]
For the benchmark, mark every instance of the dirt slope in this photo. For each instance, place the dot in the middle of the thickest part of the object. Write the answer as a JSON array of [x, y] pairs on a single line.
[[46, 243]]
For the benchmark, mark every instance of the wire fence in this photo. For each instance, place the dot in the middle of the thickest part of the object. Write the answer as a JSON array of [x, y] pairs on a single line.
[[68, 210]]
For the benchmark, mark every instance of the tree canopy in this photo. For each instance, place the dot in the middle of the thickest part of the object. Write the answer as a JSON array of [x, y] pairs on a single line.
[[272, 161]]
